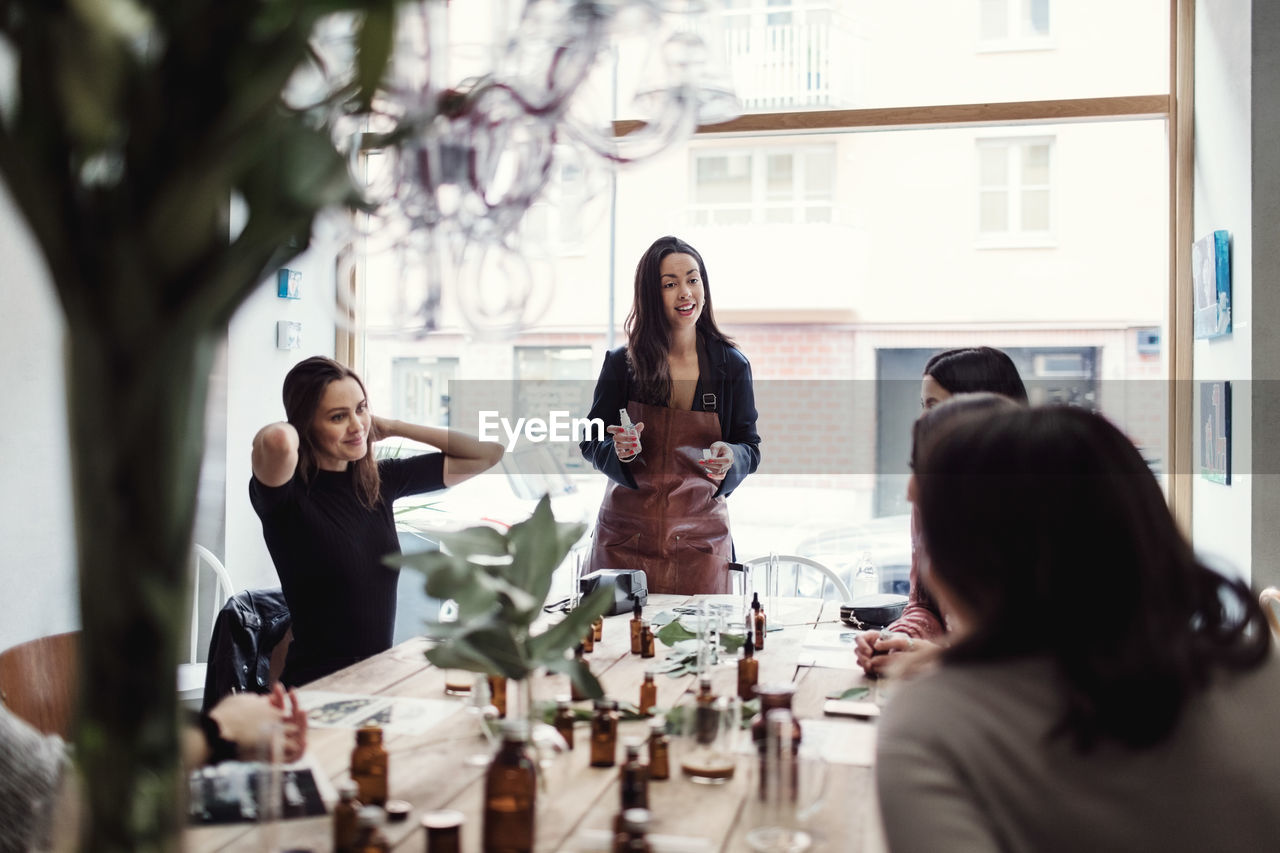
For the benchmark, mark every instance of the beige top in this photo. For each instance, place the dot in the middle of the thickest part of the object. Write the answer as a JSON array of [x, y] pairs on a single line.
[[962, 766]]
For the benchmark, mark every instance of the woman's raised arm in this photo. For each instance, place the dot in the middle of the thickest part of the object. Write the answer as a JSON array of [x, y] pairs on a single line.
[[275, 454], [464, 455]]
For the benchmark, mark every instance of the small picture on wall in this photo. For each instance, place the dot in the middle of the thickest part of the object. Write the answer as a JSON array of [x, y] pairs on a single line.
[[1215, 431], [1211, 280]]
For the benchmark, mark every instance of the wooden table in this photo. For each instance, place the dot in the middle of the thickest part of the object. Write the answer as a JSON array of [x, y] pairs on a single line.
[[429, 771]]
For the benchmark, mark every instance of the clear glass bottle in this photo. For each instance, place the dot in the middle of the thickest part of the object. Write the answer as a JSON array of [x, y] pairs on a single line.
[[659, 750], [760, 625], [748, 671], [634, 779], [369, 766], [370, 838], [774, 697], [646, 639], [648, 693], [604, 733], [574, 693], [636, 612], [346, 814], [510, 792], [443, 831], [563, 721], [866, 577]]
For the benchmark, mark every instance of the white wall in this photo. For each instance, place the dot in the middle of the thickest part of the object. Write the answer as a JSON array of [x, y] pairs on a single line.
[[1221, 514], [37, 536]]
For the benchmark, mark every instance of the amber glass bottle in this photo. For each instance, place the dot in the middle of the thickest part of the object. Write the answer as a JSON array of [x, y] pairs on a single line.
[[633, 828], [758, 629], [346, 827], [443, 830], [634, 779], [563, 720], [498, 693], [704, 714], [589, 640], [369, 766], [597, 628], [648, 693], [510, 790], [636, 611], [659, 750], [604, 733], [574, 693], [773, 696], [370, 838], [748, 671], [646, 639]]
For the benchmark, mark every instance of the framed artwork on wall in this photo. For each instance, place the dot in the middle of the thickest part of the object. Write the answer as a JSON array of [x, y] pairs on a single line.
[[1211, 282], [1215, 432]]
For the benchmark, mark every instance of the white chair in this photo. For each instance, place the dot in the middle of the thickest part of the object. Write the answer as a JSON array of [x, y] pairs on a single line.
[[191, 674], [793, 566]]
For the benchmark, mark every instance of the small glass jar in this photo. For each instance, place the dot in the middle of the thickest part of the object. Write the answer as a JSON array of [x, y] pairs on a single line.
[[659, 750], [589, 640], [369, 766], [564, 720], [604, 733], [634, 779], [370, 838], [646, 639], [597, 629], [346, 812], [498, 693], [510, 791], [704, 713], [648, 693], [443, 831], [633, 829], [636, 621], [748, 671], [574, 692], [759, 621]]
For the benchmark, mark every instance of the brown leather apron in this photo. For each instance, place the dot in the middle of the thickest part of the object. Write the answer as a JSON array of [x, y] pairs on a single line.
[[673, 526]]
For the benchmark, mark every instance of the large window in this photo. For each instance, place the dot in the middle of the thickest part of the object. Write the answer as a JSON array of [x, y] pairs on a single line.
[[1013, 24], [779, 186], [1015, 190]]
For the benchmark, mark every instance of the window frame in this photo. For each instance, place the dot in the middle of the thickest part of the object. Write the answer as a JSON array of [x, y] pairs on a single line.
[[1015, 236], [759, 203]]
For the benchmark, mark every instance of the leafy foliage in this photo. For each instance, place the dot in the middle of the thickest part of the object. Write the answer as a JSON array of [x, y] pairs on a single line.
[[500, 582]]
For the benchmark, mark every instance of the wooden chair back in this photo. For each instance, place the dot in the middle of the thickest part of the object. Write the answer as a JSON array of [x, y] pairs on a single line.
[[38, 681]]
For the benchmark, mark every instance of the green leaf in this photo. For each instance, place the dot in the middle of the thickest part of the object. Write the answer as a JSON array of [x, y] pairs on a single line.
[[732, 642], [851, 693], [552, 643], [674, 632], [538, 545], [471, 542], [580, 674]]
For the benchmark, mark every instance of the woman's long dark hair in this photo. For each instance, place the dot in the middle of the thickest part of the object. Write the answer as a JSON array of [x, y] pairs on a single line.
[[648, 336], [303, 388], [1048, 527], [971, 369]]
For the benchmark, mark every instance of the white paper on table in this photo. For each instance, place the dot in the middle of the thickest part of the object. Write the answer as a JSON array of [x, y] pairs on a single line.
[[829, 648], [840, 742], [395, 714]]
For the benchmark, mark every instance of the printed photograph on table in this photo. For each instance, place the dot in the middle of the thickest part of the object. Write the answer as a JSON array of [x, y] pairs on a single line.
[[1215, 431], [1211, 280]]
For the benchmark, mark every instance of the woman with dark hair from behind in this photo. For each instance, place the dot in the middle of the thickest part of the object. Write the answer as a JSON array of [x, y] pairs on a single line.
[[326, 508], [955, 371], [1106, 690]]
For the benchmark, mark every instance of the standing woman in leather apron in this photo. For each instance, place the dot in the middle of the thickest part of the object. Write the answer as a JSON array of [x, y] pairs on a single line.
[[687, 389]]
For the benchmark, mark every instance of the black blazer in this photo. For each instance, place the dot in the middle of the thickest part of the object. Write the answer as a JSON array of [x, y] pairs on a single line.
[[734, 401]]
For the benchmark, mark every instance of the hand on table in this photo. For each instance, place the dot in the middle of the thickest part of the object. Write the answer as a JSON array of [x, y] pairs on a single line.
[[883, 653], [249, 719], [720, 462], [626, 442]]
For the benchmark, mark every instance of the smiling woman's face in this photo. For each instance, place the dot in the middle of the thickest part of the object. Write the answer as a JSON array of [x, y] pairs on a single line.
[[340, 429], [682, 294]]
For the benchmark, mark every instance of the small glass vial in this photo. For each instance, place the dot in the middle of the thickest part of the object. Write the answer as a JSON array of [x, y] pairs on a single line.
[[633, 828], [346, 813], [636, 611], [443, 831], [563, 721], [659, 750], [748, 671], [589, 640], [574, 693], [634, 778], [705, 721], [758, 617], [597, 629], [369, 766], [604, 733], [498, 693], [370, 838], [648, 694], [646, 639], [510, 791]]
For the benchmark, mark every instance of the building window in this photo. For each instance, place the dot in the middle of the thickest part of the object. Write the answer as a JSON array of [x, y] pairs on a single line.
[[420, 389], [1014, 190], [791, 186], [1013, 24]]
